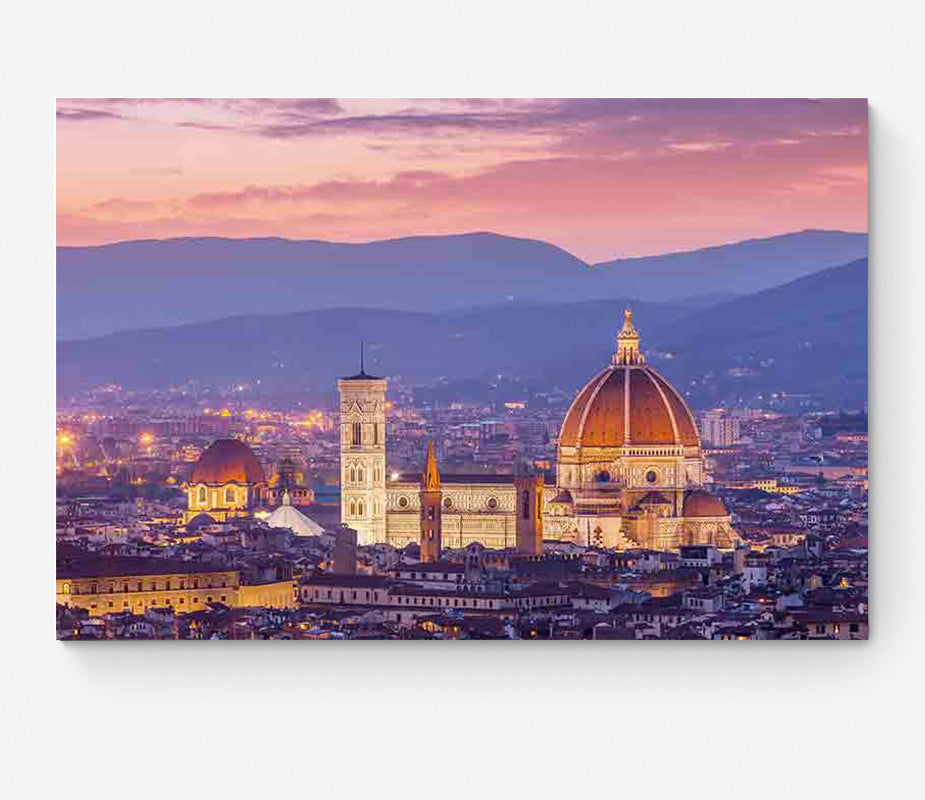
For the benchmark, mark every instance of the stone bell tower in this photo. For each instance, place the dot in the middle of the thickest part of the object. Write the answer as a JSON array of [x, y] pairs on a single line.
[[431, 509], [528, 490], [362, 454]]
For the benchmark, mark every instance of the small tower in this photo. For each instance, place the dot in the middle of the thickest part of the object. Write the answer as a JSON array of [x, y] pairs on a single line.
[[529, 493], [362, 454], [627, 344], [431, 509]]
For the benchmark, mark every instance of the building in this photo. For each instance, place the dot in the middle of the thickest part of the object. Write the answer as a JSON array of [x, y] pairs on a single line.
[[629, 472], [228, 481], [719, 428], [106, 585]]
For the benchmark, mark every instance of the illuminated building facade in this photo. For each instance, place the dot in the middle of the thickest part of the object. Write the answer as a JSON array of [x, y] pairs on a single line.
[[362, 456], [112, 585], [228, 481], [629, 473]]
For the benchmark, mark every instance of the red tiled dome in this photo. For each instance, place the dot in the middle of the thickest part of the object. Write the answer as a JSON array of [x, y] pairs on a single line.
[[228, 461], [698, 503], [656, 414]]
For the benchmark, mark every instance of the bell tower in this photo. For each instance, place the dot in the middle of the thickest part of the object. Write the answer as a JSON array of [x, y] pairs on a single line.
[[529, 527], [431, 509], [362, 454]]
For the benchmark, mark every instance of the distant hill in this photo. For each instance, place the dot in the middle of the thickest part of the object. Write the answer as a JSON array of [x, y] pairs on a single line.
[[741, 268], [140, 284], [808, 335], [153, 283], [311, 349]]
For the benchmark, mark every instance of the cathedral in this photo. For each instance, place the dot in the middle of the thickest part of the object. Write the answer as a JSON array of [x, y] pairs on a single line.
[[629, 474]]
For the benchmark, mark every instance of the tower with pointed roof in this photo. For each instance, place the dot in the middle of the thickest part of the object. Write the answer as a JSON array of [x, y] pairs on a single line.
[[362, 454], [431, 509]]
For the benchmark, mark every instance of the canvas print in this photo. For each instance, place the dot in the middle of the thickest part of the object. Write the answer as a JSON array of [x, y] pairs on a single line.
[[515, 369]]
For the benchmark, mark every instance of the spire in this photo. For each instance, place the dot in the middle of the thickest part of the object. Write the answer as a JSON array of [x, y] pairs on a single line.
[[627, 343], [362, 369], [431, 476]]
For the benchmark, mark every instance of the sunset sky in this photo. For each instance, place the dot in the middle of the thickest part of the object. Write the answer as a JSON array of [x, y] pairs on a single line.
[[601, 178]]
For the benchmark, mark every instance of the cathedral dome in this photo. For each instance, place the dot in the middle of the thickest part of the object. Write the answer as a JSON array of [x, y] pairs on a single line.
[[628, 403], [228, 461], [699, 503]]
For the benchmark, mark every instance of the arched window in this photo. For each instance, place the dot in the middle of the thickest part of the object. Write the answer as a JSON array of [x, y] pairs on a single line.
[[202, 494], [353, 508], [525, 500], [360, 474], [353, 474], [229, 494], [357, 433], [360, 508], [66, 589]]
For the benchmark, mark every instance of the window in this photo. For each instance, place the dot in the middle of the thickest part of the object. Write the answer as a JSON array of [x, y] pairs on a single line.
[[525, 500], [402, 502], [66, 589], [360, 508], [360, 474], [357, 434], [353, 474], [492, 503], [447, 503], [229, 494], [202, 494], [651, 476]]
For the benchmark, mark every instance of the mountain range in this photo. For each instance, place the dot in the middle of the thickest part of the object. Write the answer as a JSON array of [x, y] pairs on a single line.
[[155, 283], [807, 335]]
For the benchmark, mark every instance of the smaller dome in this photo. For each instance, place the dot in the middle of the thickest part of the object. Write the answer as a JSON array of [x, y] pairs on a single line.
[[228, 461], [565, 496], [699, 503]]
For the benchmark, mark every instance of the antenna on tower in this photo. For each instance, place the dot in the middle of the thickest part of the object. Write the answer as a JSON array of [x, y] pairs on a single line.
[[362, 370]]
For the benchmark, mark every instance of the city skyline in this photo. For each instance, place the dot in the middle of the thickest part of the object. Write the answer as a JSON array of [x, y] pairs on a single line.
[[601, 178]]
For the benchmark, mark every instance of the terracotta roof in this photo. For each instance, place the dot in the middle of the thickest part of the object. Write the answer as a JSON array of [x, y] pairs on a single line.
[[656, 414], [699, 503]]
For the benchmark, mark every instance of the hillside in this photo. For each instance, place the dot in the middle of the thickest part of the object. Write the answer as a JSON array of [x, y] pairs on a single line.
[[808, 335], [741, 268], [143, 284]]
